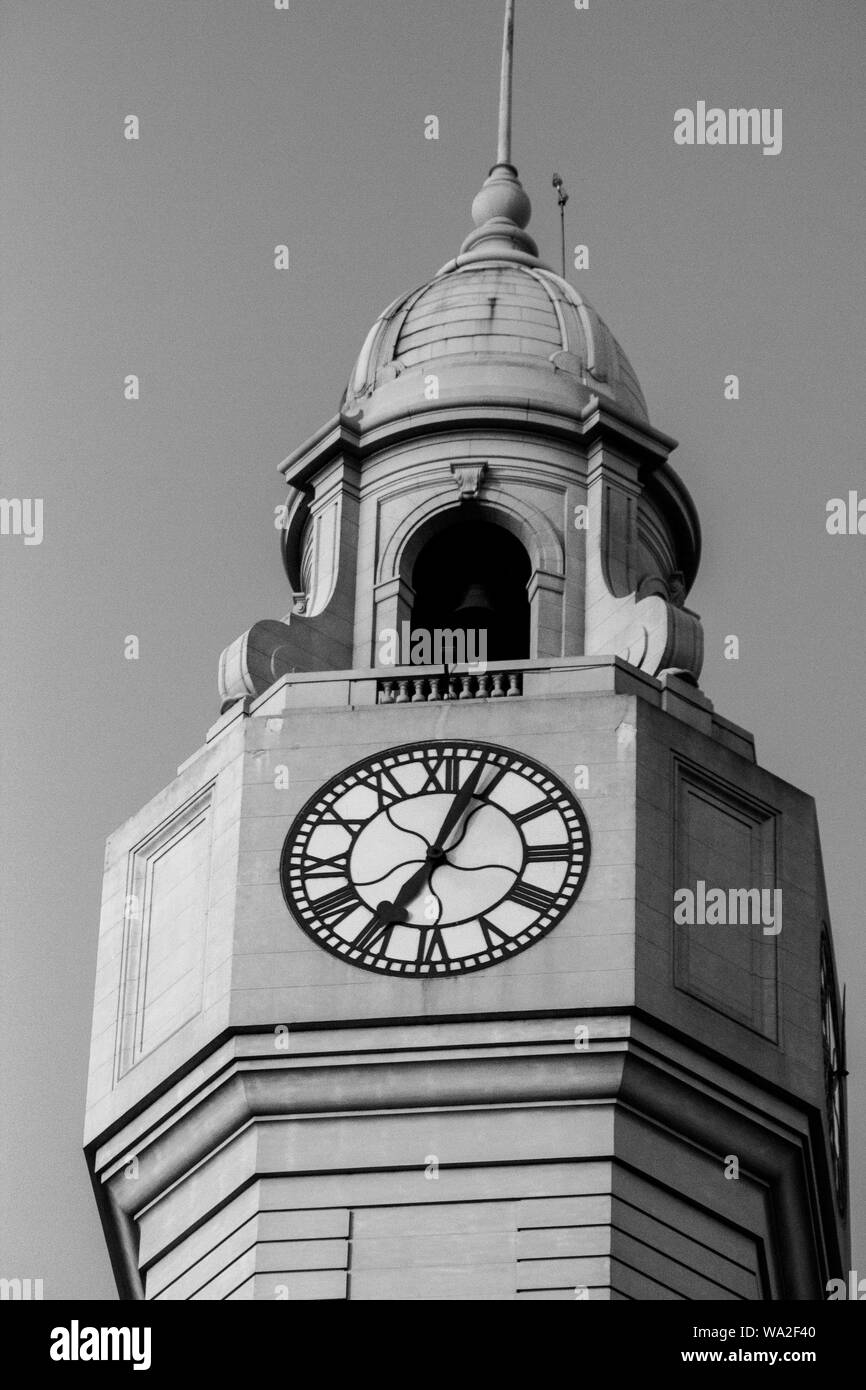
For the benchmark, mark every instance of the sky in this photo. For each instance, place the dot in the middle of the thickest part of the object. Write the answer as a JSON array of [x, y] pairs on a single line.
[[155, 257]]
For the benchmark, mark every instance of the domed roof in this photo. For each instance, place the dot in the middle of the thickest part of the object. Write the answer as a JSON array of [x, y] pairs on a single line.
[[495, 325], [495, 320]]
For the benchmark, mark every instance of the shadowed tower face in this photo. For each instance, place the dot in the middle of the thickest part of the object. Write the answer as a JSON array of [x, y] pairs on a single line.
[[509, 977]]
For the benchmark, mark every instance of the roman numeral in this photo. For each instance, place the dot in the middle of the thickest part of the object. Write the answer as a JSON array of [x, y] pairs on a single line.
[[493, 783], [332, 817], [492, 935], [374, 933], [386, 787], [527, 895], [445, 776], [335, 866], [547, 854], [428, 944], [530, 813], [449, 774], [341, 902]]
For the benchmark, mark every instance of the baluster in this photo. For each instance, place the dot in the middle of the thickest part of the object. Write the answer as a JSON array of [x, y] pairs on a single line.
[[403, 690], [434, 688], [386, 694], [513, 683], [498, 682], [418, 696], [467, 693], [483, 685]]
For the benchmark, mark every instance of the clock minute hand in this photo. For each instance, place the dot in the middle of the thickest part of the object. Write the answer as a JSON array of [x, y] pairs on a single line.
[[458, 806]]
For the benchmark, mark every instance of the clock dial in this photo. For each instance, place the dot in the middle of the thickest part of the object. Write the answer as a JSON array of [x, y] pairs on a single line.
[[435, 858], [835, 1070]]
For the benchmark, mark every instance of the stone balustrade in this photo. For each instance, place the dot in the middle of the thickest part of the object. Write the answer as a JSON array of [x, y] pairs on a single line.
[[492, 685]]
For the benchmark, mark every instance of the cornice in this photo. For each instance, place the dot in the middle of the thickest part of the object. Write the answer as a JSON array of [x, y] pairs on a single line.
[[395, 1069]]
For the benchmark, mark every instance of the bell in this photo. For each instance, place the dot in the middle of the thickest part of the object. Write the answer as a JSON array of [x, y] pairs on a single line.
[[475, 600]]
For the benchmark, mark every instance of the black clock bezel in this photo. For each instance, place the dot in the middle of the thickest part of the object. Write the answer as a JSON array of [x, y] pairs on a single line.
[[341, 950]]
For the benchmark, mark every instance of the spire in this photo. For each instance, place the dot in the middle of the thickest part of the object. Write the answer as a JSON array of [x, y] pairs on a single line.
[[501, 210], [506, 87]]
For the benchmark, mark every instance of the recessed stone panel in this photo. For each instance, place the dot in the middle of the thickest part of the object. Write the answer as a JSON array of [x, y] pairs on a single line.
[[165, 914], [727, 841]]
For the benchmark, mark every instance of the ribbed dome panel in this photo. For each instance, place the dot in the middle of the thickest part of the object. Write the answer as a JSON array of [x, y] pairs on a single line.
[[498, 311], [501, 310]]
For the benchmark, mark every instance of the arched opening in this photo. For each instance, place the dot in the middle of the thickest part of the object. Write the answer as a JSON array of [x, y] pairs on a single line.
[[471, 577]]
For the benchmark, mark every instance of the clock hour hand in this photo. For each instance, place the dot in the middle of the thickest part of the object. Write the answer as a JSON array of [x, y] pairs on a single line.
[[396, 911]]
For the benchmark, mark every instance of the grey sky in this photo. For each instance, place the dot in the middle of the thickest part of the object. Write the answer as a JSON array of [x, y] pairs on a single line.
[[156, 257]]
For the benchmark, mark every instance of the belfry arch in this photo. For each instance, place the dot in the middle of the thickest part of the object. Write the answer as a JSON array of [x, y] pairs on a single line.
[[518, 536], [473, 576]]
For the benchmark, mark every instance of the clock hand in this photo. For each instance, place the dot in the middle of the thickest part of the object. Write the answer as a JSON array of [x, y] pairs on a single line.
[[395, 911], [458, 806], [407, 892]]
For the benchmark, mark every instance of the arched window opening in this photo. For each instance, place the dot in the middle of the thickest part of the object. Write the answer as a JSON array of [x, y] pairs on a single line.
[[471, 579]]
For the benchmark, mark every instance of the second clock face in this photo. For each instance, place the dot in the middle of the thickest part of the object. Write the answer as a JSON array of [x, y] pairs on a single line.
[[435, 858]]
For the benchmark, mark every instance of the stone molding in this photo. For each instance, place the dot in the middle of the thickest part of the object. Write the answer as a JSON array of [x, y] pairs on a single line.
[[629, 1065]]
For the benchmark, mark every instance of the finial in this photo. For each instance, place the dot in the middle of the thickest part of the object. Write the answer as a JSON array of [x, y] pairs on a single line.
[[501, 209]]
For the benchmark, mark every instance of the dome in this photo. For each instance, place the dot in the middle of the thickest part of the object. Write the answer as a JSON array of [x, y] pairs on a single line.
[[500, 326], [495, 326]]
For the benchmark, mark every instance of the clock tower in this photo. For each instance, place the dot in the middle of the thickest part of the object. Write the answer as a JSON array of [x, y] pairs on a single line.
[[474, 955]]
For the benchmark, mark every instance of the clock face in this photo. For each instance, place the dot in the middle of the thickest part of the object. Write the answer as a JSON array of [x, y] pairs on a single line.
[[835, 1070], [435, 858]]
